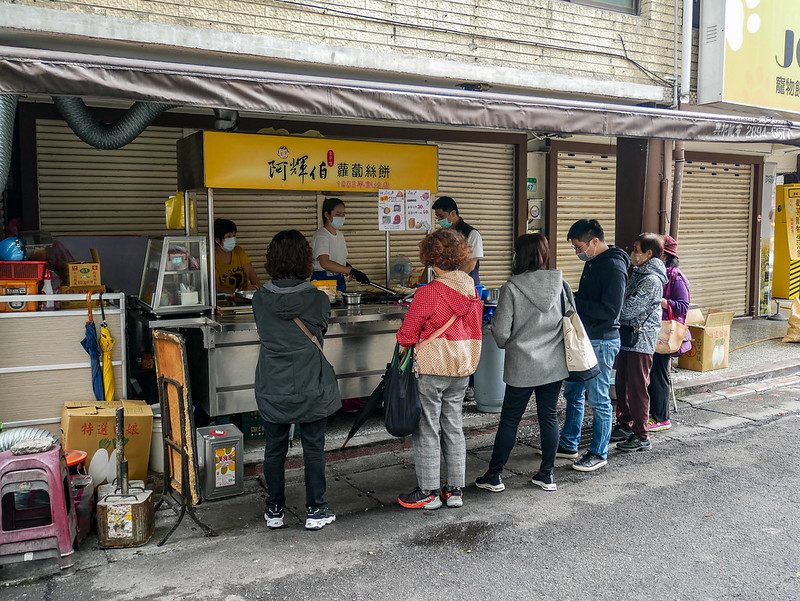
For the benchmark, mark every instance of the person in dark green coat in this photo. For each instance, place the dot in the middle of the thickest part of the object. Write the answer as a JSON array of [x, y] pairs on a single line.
[[295, 383]]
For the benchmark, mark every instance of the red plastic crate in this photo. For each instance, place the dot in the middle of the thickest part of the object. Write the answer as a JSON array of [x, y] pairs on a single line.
[[22, 270]]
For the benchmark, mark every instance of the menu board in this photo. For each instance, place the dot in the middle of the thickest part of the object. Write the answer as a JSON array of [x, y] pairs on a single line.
[[418, 210], [391, 210], [404, 210]]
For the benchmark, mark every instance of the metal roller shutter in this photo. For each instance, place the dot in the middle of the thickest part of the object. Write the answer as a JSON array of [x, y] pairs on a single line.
[[259, 216], [586, 189], [83, 190], [481, 179], [716, 209]]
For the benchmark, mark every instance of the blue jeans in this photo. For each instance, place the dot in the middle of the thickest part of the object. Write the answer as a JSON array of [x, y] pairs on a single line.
[[596, 391]]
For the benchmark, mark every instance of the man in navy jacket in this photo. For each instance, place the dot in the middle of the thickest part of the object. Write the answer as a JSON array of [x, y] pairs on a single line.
[[599, 301]]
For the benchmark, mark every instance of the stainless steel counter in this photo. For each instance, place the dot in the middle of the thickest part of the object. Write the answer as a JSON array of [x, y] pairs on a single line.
[[223, 353]]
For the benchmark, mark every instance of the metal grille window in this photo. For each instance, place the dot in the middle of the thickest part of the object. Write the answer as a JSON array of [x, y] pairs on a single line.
[[626, 6]]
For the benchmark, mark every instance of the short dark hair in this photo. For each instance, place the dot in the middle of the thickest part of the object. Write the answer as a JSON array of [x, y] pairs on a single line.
[[446, 204], [289, 256], [586, 229], [652, 242], [532, 252], [223, 227], [328, 205], [446, 249]]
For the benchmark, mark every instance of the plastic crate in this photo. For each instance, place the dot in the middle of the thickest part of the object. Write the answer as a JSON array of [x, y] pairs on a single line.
[[22, 270], [14, 287]]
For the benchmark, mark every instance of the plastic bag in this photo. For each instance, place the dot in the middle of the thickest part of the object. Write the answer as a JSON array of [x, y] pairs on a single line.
[[793, 332], [401, 397], [173, 208]]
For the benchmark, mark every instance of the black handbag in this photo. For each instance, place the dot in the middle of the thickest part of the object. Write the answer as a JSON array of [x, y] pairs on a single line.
[[401, 398], [628, 336]]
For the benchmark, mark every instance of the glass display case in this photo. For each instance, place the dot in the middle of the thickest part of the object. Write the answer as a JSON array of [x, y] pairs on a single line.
[[175, 276]]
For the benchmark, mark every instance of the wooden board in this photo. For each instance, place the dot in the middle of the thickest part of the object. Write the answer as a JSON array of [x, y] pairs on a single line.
[[170, 356]]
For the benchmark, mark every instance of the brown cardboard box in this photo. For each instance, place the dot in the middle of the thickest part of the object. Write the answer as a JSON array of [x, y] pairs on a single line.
[[83, 274], [84, 290], [89, 426], [711, 339]]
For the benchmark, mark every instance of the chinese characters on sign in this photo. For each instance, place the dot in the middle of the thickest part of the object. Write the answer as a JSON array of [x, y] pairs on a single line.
[[787, 86], [264, 162], [404, 210]]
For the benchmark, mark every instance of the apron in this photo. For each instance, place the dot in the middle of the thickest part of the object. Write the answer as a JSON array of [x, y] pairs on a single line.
[[341, 283]]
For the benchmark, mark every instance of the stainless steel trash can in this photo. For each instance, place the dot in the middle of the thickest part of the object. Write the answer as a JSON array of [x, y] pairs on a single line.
[[489, 386]]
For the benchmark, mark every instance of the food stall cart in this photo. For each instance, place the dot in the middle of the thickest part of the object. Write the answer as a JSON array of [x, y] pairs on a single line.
[[222, 341]]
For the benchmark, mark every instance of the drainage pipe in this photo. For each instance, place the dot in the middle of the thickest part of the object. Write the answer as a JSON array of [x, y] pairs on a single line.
[[108, 136], [8, 108]]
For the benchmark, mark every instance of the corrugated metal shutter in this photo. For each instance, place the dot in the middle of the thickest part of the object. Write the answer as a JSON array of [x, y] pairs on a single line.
[[586, 189], [714, 234], [259, 216], [481, 179], [83, 190]]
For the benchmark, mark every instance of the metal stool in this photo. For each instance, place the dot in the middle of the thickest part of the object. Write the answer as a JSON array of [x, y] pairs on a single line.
[[37, 512]]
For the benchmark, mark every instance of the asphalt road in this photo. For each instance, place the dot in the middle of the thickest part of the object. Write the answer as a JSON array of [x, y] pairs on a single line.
[[712, 517]]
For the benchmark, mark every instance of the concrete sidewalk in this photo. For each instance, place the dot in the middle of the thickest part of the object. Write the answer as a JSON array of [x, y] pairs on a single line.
[[756, 354], [371, 483]]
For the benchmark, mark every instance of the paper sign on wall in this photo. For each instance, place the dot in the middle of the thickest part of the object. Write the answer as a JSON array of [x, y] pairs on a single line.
[[391, 210], [404, 210]]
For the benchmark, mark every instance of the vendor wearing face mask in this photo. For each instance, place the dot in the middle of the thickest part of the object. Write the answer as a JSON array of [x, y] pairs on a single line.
[[447, 216], [232, 265], [330, 248]]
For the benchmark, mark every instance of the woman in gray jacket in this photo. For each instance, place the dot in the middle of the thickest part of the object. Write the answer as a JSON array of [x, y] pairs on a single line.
[[528, 325], [640, 323]]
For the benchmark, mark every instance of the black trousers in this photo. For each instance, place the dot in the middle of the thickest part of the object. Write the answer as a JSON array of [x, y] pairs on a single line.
[[515, 402], [659, 387], [313, 436]]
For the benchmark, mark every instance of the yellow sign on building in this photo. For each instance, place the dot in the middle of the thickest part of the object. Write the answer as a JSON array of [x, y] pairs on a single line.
[[264, 162], [750, 54]]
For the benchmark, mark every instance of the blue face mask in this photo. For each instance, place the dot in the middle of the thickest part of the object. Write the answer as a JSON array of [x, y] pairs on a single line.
[[337, 222], [445, 223]]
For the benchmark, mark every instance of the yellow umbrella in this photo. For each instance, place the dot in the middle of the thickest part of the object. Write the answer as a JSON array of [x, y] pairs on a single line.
[[106, 345]]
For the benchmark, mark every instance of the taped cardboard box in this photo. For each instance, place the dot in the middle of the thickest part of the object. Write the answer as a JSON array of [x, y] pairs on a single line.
[[711, 339], [89, 426]]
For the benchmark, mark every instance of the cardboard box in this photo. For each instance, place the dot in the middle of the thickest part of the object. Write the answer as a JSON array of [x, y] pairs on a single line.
[[84, 290], [89, 426], [711, 339], [83, 274]]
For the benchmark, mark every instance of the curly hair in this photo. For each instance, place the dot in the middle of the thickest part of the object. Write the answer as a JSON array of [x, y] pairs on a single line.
[[289, 256], [446, 249]]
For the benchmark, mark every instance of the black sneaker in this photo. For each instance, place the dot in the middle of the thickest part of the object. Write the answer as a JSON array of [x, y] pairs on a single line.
[[452, 496], [492, 482], [274, 516], [589, 462], [634, 443], [620, 433], [420, 499], [562, 453], [544, 481], [319, 517]]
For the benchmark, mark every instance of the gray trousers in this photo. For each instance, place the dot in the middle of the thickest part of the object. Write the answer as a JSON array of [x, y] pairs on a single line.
[[442, 399]]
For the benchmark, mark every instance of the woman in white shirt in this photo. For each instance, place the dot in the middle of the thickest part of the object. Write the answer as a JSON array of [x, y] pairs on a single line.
[[330, 248]]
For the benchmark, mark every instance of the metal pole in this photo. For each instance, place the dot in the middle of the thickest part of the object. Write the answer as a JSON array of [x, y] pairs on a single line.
[[677, 188], [212, 268], [187, 222], [388, 253]]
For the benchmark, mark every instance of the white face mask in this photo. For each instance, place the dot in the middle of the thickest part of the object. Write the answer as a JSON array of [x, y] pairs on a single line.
[[228, 244]]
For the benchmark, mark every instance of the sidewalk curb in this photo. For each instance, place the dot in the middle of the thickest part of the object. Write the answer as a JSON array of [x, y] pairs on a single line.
[[726, 379]]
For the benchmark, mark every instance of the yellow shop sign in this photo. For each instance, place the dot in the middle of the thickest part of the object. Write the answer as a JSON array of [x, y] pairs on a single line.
[[264, 162], [750, 54]]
